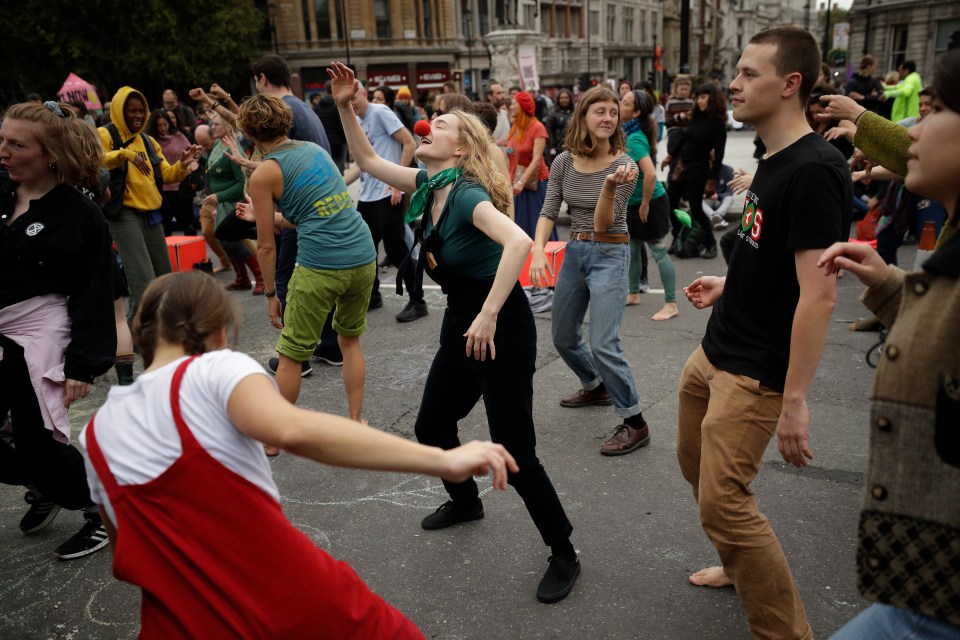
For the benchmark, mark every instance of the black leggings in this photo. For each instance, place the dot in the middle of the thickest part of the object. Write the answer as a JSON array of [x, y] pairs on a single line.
[[456, 383], [691, 188], [54, 468]]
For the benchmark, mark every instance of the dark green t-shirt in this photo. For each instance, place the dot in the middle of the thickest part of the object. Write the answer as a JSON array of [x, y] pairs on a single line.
[[466, 250]]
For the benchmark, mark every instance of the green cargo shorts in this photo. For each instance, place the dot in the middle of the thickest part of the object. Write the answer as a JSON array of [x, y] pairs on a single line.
[[311, 294]]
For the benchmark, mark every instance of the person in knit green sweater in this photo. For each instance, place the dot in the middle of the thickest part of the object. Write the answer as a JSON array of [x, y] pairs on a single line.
[[906, 94]]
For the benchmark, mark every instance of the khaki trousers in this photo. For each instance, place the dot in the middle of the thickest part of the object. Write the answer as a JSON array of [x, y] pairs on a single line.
[[725, 424]]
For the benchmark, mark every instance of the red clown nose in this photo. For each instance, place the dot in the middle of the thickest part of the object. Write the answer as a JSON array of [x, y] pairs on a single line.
[[421, 128]]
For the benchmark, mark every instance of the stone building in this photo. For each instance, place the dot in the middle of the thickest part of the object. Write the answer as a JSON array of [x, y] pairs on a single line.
[[424, 43], [898, 30]]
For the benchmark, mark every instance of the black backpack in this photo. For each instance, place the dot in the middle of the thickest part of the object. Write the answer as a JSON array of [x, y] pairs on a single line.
[[118, 176]]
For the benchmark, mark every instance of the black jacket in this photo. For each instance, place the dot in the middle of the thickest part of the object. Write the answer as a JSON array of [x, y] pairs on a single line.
[[865, 85], [61, 245]]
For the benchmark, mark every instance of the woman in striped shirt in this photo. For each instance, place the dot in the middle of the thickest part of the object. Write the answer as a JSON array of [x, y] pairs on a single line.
[[596, 179]]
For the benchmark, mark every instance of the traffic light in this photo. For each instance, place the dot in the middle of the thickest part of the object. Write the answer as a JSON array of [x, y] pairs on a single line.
[[584, 81], [652, 77], [954, 40]]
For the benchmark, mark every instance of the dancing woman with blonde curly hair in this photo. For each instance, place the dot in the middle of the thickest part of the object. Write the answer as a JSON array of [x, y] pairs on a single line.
[[488, 340]]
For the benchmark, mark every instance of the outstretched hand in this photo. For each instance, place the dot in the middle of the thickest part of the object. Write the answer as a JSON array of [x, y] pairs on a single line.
[[478, 458], [343, 84], [622, 175], [858, 259], [704, 291], [839, 108]]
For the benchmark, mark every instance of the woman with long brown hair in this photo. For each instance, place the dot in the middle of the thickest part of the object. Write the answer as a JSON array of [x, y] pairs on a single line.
[[596, 178]]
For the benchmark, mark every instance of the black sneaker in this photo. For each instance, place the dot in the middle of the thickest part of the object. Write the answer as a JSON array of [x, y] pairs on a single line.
[[92, 537], [41, 513], [305, 367], [450, 514], [412, 311], [376, 301], [327, 355], [559, 579]]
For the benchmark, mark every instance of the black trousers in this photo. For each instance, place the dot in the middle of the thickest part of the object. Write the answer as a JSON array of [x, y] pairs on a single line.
[[386, 223], [455, 384], [178, 212], [691, 188], [54, 468]]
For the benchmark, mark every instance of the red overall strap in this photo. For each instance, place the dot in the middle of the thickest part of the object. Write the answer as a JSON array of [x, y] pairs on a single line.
[[187, 441], [99, 462]]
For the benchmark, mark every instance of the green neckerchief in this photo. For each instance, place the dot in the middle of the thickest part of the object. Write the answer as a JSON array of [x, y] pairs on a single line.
[[418, 201]]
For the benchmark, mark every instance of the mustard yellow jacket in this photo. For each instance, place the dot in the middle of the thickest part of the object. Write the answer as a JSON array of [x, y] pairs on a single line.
[[141, 193]]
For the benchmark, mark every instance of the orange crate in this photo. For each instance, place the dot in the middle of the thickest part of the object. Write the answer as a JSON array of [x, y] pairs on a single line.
[[186, 251], [555, 251]]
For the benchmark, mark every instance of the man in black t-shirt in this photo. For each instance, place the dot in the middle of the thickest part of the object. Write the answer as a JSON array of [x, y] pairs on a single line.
[[750, 377]]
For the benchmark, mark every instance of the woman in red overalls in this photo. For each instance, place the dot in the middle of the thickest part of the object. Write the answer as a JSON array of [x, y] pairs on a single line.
[[185, 490]]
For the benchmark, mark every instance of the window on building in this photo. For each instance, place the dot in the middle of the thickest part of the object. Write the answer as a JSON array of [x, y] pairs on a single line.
[[483, 7], [948, 32], [594, 23], [628, 34], [305, 6], [643, 26], [611, 22], [381, 11], [898, 44], [628, 69], [573, 27], [529, 16], [322, 11]]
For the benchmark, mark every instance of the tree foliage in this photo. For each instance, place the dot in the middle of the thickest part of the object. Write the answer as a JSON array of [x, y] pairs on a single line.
[[147, 44]]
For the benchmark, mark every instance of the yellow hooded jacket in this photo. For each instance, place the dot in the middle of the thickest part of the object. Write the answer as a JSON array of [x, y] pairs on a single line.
[[141, 193]]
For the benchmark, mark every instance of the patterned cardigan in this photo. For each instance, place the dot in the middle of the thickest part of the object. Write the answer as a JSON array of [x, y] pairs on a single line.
[[909, 547]]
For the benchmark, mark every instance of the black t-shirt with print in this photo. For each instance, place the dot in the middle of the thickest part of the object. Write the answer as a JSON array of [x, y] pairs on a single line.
[[800, 199]]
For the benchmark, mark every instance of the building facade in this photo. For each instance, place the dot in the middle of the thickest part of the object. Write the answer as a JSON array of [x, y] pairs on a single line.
[[897, 30], [422, 44]]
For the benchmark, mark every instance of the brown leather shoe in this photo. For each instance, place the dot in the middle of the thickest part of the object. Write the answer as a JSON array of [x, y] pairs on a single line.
[[625, 439], [584, 398]]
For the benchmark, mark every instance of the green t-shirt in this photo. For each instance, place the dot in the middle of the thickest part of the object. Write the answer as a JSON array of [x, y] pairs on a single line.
[[466, 250], [638, 147]]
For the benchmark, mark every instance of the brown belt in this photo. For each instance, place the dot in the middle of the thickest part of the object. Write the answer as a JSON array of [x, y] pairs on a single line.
[[613, 238]]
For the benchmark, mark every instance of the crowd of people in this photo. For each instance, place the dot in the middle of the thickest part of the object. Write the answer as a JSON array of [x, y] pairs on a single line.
[[467, 194]]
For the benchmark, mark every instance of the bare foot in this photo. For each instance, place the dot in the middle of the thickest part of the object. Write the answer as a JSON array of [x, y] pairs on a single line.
[[632, 299], [272, 452], [669, 310], [711, 577]]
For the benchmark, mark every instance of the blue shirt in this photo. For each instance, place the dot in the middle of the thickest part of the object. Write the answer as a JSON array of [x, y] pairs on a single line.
[[379, 124], [330, 232], [306, 124]]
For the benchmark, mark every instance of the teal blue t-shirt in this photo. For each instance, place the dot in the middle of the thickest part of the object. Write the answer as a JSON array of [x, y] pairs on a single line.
[[638, 147], [466, 250], [330, 232]]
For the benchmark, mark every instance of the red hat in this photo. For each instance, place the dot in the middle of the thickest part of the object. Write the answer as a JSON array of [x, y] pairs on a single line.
[[525, 100]]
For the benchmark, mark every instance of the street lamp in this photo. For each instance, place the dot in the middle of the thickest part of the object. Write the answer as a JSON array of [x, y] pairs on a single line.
[[272, 14], [468, 34]]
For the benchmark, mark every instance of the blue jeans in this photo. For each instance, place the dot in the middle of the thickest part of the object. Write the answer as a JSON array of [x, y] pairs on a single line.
[[595, 273], [886, 622]]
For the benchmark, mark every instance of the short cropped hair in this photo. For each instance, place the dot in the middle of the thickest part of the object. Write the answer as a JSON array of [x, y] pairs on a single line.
[[797, 52], [274, 68], [265, 118]]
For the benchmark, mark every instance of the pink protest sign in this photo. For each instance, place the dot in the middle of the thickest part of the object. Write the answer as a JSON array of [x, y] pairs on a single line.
[[76, 89]]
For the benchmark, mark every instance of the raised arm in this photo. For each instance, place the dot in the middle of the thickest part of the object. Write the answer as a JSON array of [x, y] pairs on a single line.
[[344, 86]]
